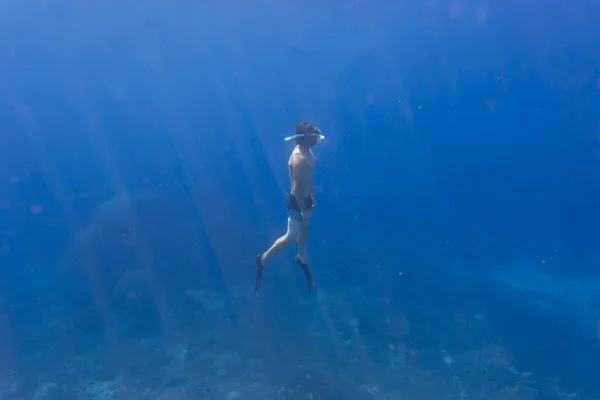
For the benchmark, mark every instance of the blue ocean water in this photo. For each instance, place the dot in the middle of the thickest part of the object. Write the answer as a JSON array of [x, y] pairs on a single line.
[[143, 167]]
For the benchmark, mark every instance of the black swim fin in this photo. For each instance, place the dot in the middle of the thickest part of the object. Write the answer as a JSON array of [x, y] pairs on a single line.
[[307, 273]]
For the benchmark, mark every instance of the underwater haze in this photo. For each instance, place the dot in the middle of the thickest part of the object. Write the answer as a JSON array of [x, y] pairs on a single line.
[[454, 245]]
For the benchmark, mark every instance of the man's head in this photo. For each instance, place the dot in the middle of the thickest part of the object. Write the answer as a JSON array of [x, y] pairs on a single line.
[[306, 135]]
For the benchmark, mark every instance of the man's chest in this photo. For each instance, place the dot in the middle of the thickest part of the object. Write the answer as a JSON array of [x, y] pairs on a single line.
[[303, 167]]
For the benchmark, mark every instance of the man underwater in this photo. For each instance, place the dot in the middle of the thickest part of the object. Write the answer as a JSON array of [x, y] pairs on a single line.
[[300, 202]]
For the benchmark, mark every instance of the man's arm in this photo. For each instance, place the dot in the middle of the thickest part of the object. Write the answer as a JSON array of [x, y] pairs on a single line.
[[296, 165]]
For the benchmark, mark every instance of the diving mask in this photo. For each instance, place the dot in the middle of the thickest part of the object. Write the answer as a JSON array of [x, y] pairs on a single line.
[[316, 134]]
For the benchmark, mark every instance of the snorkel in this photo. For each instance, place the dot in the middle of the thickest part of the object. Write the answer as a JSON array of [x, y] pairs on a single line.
[[319, 136]]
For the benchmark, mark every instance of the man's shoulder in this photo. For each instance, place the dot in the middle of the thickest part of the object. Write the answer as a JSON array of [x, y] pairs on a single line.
[[296, 158]]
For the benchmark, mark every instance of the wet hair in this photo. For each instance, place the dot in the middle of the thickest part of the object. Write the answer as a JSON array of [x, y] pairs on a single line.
[[304, 128]]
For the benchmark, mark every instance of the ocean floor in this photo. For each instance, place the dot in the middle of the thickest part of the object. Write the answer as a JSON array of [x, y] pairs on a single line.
[[579, 298], [331, 348]]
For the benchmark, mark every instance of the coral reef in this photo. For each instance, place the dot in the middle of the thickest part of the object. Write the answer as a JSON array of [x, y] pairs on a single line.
[[340, 350]]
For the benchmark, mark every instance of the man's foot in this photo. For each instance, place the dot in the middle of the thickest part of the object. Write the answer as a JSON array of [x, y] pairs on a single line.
[[307, 273], [259, 271]]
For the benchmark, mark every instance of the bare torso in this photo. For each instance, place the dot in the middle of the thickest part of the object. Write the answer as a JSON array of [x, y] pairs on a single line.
[[301, 167]]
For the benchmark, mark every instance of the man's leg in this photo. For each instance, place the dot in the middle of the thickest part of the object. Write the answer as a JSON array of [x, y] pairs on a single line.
[[301, 258], [280, 244], [276, 248], [303, 241]]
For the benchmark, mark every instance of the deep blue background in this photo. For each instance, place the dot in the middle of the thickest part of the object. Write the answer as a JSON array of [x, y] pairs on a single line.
[[459, 132]]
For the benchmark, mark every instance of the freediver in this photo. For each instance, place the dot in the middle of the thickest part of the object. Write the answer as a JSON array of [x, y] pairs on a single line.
[[300, 202]]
